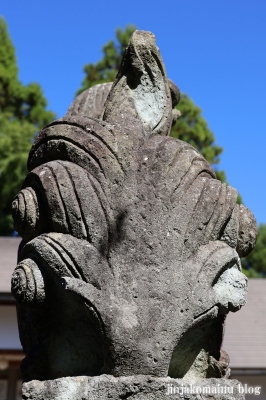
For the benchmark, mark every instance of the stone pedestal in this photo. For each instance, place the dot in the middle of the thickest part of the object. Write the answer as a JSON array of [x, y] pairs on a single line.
[[138, 387]]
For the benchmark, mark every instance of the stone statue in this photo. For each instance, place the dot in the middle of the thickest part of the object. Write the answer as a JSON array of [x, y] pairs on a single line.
[[130, 258]]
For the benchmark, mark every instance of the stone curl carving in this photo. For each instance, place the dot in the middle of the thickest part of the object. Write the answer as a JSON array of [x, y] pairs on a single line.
[[27, 282], [136, 241]]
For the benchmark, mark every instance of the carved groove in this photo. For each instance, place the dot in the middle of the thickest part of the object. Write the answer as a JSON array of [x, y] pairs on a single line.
[[71, 267], [62, 201], [79, 204]]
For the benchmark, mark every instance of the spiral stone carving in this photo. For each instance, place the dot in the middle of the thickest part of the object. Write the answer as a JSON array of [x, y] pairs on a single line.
[[25, 212], [131, 254], [27, 283]]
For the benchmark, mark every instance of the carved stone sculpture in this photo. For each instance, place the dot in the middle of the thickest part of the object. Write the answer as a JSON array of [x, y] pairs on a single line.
[[130, 259]]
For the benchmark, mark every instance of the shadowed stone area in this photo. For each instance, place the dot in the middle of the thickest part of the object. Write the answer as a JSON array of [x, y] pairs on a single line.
[[130, 254]]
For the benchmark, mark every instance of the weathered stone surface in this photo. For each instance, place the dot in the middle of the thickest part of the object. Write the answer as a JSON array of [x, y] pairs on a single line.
[[90, 102], [130, 260], [139, 387]]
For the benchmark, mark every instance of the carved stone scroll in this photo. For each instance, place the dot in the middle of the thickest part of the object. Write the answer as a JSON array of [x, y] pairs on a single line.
[[130, 260]]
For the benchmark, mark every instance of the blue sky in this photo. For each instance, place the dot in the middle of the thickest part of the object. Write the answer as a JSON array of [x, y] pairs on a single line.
[[214, 50]]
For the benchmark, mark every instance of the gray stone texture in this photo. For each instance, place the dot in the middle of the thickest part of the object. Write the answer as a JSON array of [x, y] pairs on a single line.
[[130, 259], [139, 387]]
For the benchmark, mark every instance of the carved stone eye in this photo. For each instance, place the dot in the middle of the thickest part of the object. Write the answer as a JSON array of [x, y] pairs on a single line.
[[27, 283], [25, 213]]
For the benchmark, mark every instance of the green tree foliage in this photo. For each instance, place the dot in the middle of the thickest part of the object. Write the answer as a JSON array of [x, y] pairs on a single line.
[[254, 265], [22, 114], [191, 127]]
